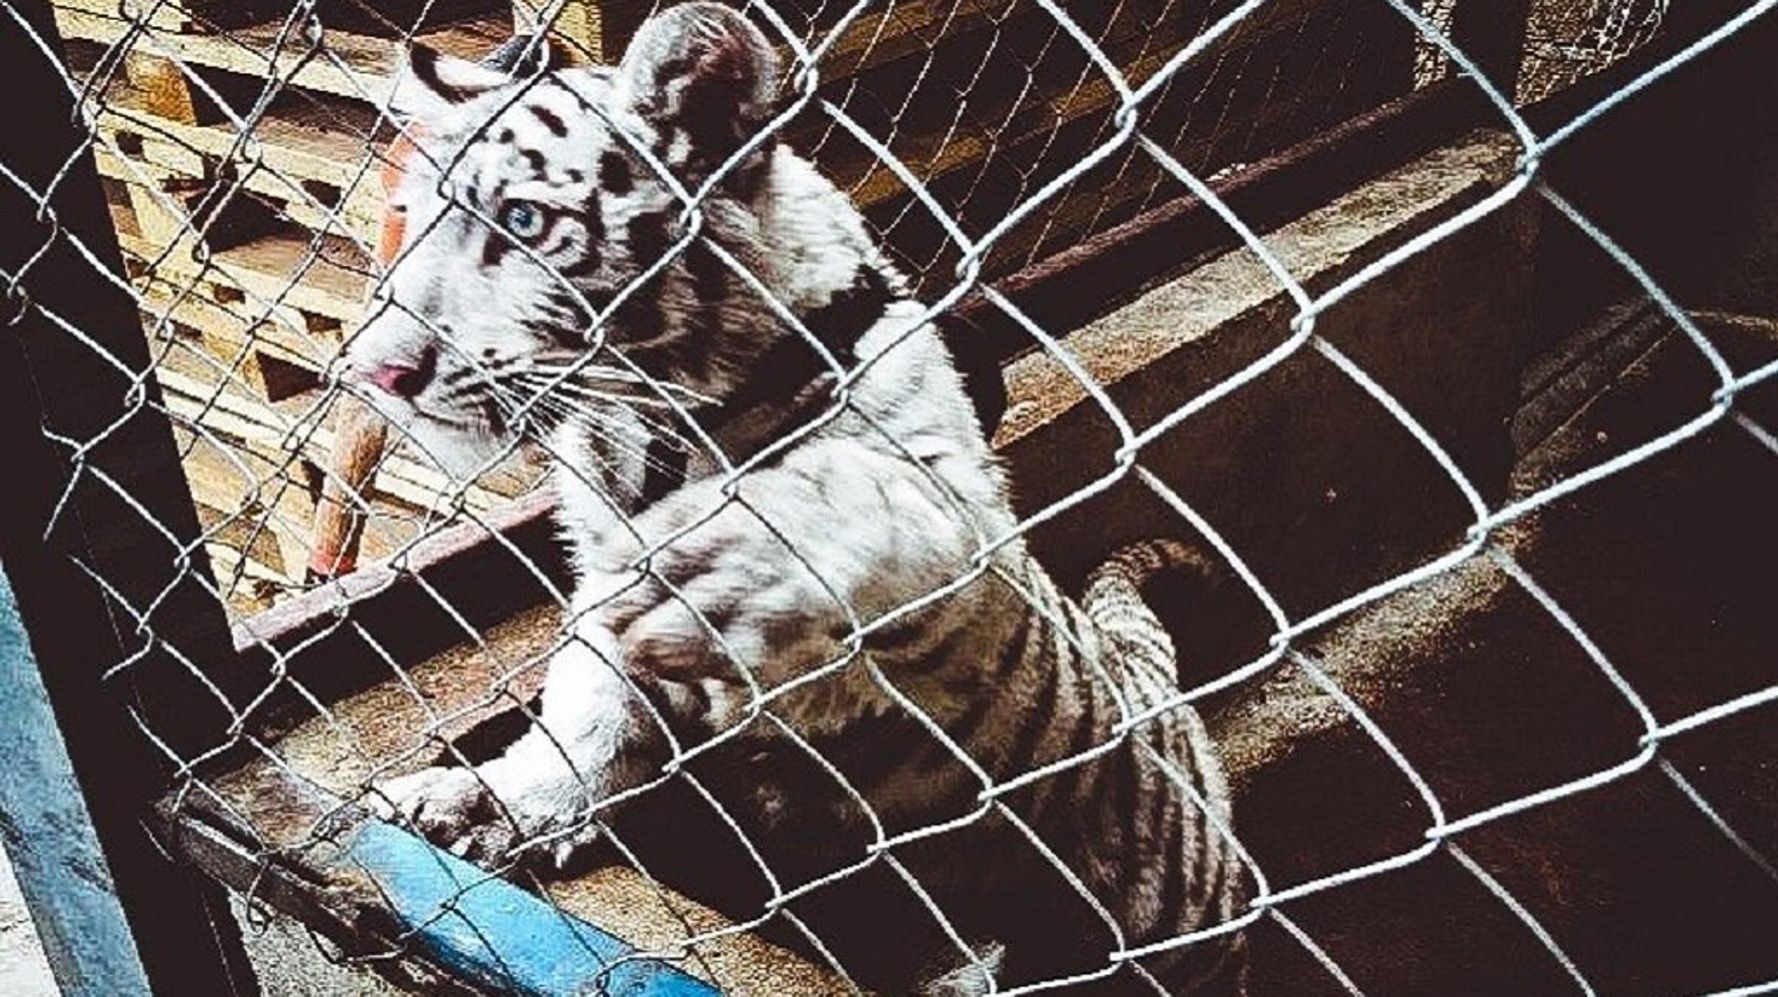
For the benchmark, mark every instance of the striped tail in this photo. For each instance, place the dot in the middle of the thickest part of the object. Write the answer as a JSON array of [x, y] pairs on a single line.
[[1127, 626]]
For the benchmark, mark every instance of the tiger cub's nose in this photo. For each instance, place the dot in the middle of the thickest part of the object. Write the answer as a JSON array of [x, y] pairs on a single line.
[[405, 379]]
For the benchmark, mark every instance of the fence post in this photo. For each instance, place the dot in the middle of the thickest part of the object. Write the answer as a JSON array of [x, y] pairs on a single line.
[[106, 498], [63, 874]]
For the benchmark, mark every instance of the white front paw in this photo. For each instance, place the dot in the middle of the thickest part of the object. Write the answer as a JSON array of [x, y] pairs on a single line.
[[449, 806], [457, 809]]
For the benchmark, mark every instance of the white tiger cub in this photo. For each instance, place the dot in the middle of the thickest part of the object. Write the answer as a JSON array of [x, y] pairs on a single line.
[[547, 282]]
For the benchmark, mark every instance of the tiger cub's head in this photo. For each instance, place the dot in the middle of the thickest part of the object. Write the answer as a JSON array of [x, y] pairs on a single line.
[[549, 267]]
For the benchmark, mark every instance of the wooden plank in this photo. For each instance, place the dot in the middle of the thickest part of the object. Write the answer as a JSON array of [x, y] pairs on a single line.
[[235, 323], [460, 554], [1247, 120], [163, 89], [172, 285], [321, 274], [158, 220], [225, 477], [268, 496], [240, 468], [236, 356], [1453, 176], [304, 425], [180, 213], [1182, 232], [878, 37], [163, 16], [389, 16], [349, 215], [254, 548], [1012, 138], [597, 32]]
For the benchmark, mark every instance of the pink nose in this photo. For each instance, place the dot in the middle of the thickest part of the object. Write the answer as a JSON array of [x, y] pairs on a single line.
[[405, 380]]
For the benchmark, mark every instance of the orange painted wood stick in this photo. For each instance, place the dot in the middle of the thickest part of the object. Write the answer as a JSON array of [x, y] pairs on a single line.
[[359, 437], [359, 434]]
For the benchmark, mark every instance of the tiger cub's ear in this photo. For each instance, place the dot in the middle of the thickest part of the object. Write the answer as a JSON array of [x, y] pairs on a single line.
[[705, 77], [433, 87]]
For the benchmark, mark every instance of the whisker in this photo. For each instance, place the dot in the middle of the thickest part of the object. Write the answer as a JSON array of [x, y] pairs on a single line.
[[607, 422], [517, 413], [614, 478], [659, 427], [582, 381], [653, 428], [554, 402], [587, 391], [662, 430], [582, 370]]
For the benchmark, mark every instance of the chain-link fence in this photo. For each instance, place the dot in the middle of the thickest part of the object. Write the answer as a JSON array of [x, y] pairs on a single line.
[[792, 669]]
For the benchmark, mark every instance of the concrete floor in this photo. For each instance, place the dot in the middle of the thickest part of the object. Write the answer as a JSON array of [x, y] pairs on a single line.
[[288, 963], [24, 971]]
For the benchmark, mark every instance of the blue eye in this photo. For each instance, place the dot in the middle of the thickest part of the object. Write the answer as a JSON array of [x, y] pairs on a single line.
[[522, 218]]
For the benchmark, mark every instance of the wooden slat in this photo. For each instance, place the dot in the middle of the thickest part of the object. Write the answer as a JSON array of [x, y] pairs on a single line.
[[264, 509], [162, 88], [159, 15], [235, 325], [1023, 126]]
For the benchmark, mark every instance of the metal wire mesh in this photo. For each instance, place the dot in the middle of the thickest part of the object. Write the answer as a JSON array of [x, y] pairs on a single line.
[[242, 154]]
